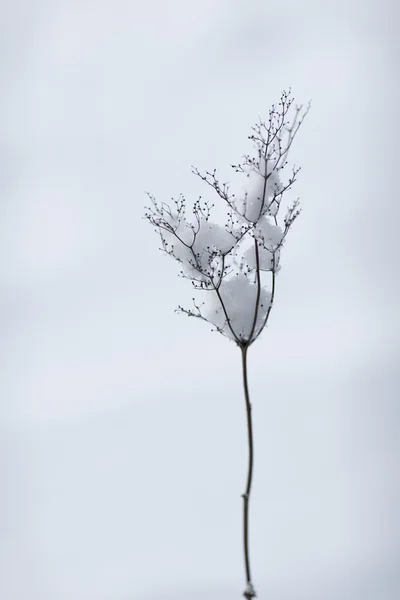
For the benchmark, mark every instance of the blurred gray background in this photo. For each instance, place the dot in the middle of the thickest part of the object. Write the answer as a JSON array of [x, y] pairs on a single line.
[[122, 429]]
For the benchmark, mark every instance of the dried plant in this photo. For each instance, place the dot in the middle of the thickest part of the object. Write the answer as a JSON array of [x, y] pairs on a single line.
[[230, 262]]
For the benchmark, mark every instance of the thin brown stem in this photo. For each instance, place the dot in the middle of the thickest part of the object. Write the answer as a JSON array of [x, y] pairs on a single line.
[[272, 294], [249, 591], [258, 294]]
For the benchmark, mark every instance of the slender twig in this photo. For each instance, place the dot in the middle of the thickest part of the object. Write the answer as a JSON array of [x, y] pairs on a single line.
[[273, 273], [258, 275], [249, 591]]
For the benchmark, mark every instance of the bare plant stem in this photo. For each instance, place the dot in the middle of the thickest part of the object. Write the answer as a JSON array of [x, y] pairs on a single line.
[[249, 592]]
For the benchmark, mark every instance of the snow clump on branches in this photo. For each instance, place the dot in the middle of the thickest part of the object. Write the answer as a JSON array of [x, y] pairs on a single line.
[[229, 262]]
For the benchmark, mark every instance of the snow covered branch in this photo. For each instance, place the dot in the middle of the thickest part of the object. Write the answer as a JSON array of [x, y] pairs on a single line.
[[230, 260], [237, 263]]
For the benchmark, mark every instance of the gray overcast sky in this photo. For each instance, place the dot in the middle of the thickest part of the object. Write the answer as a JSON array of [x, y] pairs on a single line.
[[122, 425]]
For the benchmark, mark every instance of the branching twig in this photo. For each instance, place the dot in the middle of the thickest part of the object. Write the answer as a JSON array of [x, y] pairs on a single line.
[[212, 256]]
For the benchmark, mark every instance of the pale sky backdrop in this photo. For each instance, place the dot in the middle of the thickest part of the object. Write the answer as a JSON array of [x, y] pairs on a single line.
[[122, 430]]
